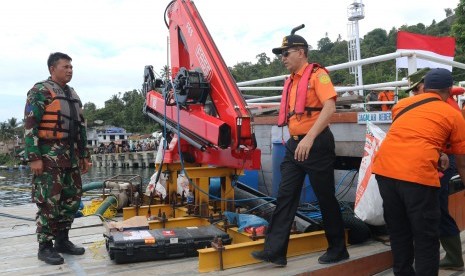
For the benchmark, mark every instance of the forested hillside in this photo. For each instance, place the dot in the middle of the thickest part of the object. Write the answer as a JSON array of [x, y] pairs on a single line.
[[124, 109]]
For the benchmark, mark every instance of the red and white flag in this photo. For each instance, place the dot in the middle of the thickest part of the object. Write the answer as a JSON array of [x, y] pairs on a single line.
[[437, 46]]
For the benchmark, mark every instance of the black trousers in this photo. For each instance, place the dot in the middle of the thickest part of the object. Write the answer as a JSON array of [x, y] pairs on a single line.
[[412, 215], [447, 226], [320, 168]]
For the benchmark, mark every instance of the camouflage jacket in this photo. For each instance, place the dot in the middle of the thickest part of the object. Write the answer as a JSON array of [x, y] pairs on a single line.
[[53, 152]]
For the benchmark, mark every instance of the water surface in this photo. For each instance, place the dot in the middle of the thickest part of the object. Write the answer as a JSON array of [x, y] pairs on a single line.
[[15, 189]]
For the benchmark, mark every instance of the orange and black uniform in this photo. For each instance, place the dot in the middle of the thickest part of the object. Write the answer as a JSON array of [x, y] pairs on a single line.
[[386, 96], [406, 171], [411, 148], [319, 166]]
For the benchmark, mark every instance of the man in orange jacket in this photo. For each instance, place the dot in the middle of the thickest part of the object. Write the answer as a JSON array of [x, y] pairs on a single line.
[[386, 96], [406, 170], [306, 107], [449, 233]]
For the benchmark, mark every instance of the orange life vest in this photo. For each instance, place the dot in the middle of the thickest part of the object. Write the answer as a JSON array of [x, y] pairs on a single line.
[[62, 118], [301, 96]]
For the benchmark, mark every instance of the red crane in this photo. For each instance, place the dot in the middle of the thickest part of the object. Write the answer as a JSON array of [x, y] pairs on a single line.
[[201, 100]]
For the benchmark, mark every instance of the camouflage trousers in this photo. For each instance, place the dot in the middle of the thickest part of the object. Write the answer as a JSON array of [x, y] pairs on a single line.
[[57, 193]]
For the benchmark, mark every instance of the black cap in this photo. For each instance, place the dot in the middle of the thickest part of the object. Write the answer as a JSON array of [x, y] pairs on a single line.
[[438, 78], [289, 41]]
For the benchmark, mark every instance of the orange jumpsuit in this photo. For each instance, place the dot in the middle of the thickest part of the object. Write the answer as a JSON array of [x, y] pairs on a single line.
[[386, 96]]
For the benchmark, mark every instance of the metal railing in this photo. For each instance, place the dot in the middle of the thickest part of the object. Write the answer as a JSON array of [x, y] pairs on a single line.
[[411, 55]]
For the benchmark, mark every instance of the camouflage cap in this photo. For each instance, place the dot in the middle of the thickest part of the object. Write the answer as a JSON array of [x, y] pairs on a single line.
[[417, 78]]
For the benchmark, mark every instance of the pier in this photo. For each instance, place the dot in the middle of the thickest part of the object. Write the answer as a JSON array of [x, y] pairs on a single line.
[[141, 159]]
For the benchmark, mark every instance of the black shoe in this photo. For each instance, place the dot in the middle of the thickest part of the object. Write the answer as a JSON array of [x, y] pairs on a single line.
[[64, 245], [68, 247], [48, 254], [264, 257], [330, 259]]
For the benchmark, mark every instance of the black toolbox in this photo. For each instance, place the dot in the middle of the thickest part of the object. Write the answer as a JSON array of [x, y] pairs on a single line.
[[146, 245]]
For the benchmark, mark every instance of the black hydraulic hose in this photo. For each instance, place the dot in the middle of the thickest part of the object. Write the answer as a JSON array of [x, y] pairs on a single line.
[[166, 23]]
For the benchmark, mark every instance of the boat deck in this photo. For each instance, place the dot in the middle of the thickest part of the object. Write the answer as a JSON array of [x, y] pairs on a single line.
[[18, 255]]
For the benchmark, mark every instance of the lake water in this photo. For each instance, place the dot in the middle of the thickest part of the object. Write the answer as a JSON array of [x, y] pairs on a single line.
[[15, 189]]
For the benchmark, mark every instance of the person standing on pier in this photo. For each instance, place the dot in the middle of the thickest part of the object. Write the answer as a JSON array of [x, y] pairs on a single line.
[[56, 149], [308, 102], [406, 168], [449, 233], [386, 96]]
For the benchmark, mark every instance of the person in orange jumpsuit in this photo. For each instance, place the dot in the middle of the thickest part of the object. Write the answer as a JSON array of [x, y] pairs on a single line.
[[385, 96], [309, 151], [449, 233], [406, 168]]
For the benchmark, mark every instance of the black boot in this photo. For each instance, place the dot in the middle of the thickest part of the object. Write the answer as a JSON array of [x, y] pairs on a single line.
[[453, 259], [48, 254], [64, 245]]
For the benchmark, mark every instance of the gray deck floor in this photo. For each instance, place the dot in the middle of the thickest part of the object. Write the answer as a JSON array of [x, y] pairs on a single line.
[[18, 254]]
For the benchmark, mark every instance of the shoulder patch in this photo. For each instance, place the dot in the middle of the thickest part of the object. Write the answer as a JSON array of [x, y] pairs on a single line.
[[324, 78]]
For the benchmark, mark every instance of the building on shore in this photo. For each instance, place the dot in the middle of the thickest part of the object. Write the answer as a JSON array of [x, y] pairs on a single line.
[[106, 135]]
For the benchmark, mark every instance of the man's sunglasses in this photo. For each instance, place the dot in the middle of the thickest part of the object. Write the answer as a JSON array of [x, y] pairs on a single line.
[[286, 53]]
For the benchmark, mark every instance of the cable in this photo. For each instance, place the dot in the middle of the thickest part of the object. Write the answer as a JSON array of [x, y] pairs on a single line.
[[166, 9], [183, 166], [313, 210], [345, 191], [263, 179], [16, 217], [258, 206]]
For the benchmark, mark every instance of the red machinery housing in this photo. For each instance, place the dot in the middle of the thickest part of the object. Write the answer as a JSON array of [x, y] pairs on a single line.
[[201, 101]]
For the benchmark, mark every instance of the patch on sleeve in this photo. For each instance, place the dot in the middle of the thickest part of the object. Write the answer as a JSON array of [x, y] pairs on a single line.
[[28, 109], [324, 78]]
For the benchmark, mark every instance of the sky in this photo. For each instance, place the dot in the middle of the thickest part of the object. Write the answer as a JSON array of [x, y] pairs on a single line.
[[111, 41]]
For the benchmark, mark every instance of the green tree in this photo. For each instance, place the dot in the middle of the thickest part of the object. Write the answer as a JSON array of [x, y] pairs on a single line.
[[10, 129], [458, 31], [448, 12], [13, 123], [165, 72], [458, 27], [90, 113], [112, 114], [135, 120], [324, 44], [4, 131], [125, 109]]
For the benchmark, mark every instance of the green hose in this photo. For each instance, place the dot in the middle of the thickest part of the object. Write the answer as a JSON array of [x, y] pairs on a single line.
[[105, 205], [92, 186]]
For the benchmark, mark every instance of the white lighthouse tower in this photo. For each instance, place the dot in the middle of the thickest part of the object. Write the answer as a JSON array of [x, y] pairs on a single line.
[[355, 12]]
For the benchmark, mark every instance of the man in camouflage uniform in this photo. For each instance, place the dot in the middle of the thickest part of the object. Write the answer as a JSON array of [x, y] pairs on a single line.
[[56, 142]]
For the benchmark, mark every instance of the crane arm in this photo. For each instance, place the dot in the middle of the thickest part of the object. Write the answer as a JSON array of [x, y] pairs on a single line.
[[202, 96]]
